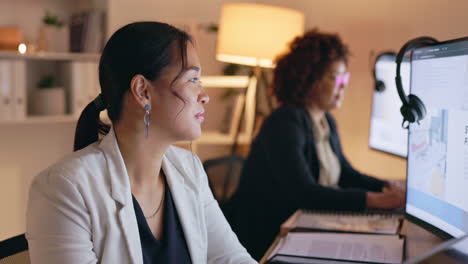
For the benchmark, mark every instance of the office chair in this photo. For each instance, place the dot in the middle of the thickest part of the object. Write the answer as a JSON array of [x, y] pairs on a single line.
[[223, 177], [14, 250]]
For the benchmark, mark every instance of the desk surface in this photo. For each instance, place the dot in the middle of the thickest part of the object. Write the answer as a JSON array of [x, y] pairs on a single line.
[[418, 240]]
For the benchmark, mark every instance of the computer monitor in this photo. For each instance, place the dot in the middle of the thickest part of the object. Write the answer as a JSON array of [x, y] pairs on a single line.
[[437, 172], [386, 133]]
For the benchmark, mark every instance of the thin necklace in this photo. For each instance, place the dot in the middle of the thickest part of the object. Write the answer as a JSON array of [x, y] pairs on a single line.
[[160, 202]]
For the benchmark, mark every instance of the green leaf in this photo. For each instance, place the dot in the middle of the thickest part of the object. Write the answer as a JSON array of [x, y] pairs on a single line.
[[47, 81], [52, 20]]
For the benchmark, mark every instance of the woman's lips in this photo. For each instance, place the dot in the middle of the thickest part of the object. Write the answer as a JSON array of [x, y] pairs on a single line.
[[200, 116]]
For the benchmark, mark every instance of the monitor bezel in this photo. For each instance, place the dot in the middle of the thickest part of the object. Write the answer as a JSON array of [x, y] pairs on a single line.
[[370, 118], [414, 219]]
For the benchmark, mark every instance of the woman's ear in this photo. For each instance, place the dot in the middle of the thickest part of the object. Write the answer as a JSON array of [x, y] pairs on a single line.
[[140, 90]]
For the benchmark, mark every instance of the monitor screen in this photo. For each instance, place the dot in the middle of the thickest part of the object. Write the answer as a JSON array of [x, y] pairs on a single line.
[[386, 133], [437, 179]]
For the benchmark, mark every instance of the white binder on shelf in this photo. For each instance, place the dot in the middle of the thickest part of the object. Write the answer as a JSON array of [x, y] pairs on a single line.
[[76, 83], [6, 89], [12, 89], [94, 87], [83, 84], [19, 89]]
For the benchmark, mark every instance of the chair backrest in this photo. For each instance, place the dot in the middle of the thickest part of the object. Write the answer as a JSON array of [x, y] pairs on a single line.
[[223, 176], [14, 250]]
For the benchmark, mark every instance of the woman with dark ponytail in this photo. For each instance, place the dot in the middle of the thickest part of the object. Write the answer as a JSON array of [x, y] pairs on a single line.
[[131, 197]]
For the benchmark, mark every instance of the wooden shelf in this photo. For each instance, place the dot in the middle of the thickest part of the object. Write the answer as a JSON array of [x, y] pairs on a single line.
[[59, 56], [225, 81], [219, 138], [41, 120]]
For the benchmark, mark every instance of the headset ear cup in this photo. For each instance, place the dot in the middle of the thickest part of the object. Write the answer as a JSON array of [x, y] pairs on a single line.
[[408, 113], [418, 106], [379, 86], [413, 109]]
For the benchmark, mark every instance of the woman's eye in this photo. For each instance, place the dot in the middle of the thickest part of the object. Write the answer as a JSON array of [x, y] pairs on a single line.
[[194, 80]]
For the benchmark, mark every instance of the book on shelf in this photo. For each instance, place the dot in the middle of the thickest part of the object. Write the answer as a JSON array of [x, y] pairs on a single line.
[[87, 31], [373, 222], [77, 31], [326, 247]]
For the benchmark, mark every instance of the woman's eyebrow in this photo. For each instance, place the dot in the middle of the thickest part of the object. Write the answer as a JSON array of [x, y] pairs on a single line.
[[194, 68], [339, 73]]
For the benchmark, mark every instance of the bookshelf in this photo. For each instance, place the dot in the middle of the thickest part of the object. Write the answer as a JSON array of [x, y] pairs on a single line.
[[242, 113], [57, 56], [75, 73], [42, 120]]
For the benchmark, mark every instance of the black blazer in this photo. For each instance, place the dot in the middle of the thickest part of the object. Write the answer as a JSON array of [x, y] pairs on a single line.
[[281, 174]]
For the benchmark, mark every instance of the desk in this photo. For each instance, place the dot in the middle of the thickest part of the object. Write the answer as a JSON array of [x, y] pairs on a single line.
[[418, 240]]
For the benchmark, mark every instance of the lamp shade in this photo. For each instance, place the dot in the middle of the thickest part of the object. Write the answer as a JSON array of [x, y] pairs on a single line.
[[254, 34]]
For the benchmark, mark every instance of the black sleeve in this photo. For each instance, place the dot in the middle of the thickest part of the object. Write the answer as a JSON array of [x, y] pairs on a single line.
[[283, 139], [351, 178]]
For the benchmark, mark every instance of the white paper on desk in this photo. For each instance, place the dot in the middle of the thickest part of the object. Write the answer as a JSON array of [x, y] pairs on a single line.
[[366, 223], [354, 247], [299, 260]]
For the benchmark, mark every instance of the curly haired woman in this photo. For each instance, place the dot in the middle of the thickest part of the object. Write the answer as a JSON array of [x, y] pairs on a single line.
[[296, 161]]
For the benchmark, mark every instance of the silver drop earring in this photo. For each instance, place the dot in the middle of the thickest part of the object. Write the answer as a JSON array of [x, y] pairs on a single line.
[[147, 118]]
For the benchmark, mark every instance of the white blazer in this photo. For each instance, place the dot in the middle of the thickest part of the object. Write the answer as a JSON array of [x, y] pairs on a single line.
[[80, 210]]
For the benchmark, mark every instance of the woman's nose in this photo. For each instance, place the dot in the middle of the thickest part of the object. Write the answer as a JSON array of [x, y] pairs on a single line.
[[203, 97]]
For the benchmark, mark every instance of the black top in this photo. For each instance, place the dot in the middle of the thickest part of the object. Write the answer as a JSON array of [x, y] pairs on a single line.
[[281, 174], [173, 247]]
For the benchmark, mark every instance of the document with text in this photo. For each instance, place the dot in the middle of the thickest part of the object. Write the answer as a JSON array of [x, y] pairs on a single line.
[[349, 222], [342, 246]]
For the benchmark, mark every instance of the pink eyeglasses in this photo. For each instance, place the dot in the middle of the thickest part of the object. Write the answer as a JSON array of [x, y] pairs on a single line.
[[342, 79]]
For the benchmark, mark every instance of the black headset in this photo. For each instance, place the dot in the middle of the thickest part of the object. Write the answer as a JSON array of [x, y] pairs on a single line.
[[413, 109], [379, 84]]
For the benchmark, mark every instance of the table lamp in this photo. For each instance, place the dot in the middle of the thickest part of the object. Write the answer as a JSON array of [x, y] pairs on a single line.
[[254, 34]]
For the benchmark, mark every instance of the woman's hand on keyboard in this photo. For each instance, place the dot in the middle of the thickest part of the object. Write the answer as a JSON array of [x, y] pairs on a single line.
[[391, 197]]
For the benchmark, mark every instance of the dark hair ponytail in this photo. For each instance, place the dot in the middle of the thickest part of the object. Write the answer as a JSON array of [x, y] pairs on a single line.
[[89, 125], [137, 48]]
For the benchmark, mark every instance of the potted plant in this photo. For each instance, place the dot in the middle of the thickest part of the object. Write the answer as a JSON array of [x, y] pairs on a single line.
[[53, 35], [49, 98]]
